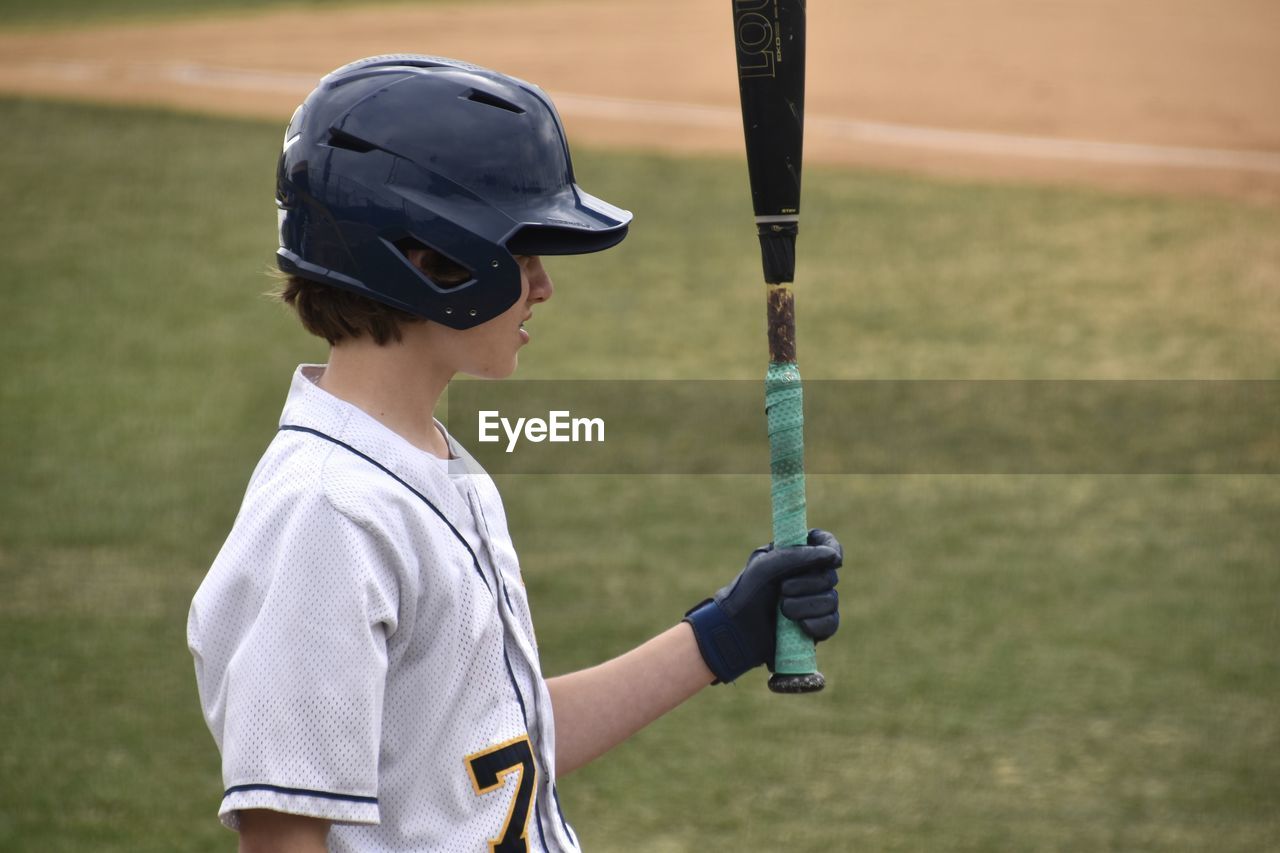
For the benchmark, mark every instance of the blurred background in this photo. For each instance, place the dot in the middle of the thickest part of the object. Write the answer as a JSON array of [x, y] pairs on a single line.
[[1001, 190]]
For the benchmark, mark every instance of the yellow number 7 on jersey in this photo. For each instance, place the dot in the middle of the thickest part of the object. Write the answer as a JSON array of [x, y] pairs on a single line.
[[489, 769]]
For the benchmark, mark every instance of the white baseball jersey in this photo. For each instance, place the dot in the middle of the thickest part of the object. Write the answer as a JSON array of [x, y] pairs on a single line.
[[364, 649]]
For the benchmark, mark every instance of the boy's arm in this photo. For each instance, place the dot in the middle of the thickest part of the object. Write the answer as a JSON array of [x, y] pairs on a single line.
[[263, 831], [728, 634], [598, 708]]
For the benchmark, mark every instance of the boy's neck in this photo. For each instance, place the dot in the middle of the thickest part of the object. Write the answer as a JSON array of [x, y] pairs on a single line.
[[397, 384]]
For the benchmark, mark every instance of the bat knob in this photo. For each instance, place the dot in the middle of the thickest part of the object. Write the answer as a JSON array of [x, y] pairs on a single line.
[[790, 682]]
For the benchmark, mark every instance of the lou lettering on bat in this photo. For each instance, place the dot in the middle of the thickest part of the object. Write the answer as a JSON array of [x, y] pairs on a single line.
[[755, 37]]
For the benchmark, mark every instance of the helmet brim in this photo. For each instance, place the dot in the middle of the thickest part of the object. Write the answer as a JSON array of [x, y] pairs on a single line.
[[576, 223]]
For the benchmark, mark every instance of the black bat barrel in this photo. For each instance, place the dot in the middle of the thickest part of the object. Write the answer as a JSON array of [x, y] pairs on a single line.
[[769, 36]]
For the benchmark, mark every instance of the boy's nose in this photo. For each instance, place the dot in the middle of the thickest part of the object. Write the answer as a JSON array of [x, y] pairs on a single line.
[[540, 286]]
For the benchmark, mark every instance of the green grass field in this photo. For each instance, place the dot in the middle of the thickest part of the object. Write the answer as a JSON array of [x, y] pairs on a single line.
[[1027, 663]]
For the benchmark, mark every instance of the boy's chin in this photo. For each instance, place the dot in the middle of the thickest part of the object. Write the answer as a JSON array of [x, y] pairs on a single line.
[[495, 371]]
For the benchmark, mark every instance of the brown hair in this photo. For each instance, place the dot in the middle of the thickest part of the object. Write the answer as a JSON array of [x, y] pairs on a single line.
[[336, 315]]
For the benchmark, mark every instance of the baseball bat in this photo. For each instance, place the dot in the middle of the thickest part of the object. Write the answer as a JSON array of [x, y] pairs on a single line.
[[769, 36]]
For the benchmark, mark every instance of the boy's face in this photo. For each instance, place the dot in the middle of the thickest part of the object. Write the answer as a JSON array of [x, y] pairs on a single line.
[[491, 350]]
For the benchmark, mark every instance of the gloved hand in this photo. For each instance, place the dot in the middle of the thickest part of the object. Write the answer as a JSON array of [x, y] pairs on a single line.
[[736, 627]]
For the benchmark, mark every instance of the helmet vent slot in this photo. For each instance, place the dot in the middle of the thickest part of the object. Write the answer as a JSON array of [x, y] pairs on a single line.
[[338, 139], [493, 101]]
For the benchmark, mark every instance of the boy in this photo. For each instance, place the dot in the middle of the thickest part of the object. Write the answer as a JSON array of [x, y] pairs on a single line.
[[363, 645]]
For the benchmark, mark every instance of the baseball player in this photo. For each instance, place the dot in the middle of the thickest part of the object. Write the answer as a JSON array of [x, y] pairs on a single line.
[[363, 645]]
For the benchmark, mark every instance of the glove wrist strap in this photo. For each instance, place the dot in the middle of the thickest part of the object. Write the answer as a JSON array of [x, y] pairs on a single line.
[[718, 641]]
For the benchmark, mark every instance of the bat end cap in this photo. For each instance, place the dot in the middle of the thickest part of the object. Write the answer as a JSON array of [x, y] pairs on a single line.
[[789, 682]]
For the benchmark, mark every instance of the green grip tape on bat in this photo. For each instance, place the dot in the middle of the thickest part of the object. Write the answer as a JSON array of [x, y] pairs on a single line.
[[795, 663]]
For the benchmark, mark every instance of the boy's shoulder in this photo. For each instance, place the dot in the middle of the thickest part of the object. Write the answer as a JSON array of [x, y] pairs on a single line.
[[329, 451], [308, 470]]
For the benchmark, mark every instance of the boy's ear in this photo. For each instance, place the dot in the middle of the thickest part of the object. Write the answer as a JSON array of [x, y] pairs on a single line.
[[417, 257], [432, 264]]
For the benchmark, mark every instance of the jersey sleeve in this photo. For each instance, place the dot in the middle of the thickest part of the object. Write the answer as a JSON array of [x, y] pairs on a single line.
[[293, 640]]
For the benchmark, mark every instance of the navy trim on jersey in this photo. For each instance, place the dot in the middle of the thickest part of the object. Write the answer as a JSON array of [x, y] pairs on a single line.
[[524, 715], [555, 796], [300, 792], [478, 509]]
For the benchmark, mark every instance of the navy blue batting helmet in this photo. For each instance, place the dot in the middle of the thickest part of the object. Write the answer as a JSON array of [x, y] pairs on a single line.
[[464, 160]]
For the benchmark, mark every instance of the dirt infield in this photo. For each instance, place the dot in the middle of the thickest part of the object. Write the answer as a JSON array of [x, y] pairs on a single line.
[[1178, 95]]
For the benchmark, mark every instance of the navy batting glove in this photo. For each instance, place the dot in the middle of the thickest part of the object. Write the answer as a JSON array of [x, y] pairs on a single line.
[[736, 628]]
